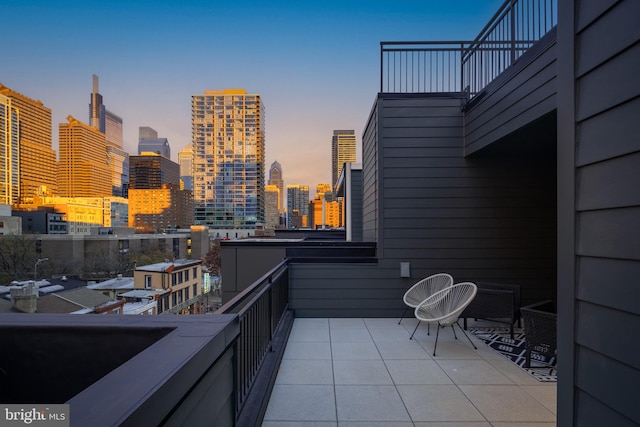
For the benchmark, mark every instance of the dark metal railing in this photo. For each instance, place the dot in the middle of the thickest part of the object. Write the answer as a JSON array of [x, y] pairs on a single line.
[[260, 308], [466, 66]]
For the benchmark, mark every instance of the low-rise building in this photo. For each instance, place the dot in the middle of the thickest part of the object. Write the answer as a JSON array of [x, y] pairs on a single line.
[[181, 278]]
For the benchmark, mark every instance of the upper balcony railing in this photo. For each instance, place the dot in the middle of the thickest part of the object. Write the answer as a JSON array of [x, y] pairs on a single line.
[[466, 66]]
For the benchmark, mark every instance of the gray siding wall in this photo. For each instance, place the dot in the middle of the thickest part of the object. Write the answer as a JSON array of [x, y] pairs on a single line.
[[598, 124], [522, 94], [480, 218], [356, 205], [370, 178]]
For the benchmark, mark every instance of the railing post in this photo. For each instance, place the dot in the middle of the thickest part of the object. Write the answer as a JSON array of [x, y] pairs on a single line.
[[512, 13]]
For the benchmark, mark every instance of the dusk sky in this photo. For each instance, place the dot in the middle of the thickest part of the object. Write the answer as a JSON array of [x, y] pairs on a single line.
[[315, 64]]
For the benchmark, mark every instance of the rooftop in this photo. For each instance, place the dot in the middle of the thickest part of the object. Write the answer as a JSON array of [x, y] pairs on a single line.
[[164, 266], [367, 372]]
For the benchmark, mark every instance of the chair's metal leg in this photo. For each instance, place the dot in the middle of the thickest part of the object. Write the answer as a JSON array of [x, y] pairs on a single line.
[[436, 344], [414, 331], [454, 331], [465, 334], [402, 317]]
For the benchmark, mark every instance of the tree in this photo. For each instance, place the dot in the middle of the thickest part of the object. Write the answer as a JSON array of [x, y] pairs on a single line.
[[17, 256], [213, 258]]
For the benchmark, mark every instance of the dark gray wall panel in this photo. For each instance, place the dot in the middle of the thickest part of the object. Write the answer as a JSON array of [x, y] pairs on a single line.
[[614, 383], [613, 183], [597, 91], [617, 126], [607, 244], [593, 413], [602, 38], [590, 10], [610, 233], [596, 330], [610, 282]]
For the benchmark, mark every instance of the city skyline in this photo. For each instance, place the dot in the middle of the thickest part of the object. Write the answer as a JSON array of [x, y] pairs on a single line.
[[315, 65]]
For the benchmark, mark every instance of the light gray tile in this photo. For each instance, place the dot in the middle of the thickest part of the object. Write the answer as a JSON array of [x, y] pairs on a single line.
[[361, 372], [438, 403], [310, 322], [402, 350], [293, 371], [390, 334], [415, 372], [299, 424], [347, 323], [454, 424], [512, 424], [301, 403], [448, 347], [355, 351], [350, 335], [545, 394], [309, 335], [507, 403], [308, 350], [472, 372], [512, 371], [375, 424], [385, 322], [369, 403]]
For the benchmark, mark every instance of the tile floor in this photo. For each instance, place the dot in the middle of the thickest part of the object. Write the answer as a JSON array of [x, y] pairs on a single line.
[[366, 372]]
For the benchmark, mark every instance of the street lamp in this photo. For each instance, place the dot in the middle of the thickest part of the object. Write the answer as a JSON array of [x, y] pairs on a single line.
[[35, 268]]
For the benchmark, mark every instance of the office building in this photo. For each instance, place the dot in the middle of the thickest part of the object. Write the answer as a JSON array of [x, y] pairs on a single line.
[[152, 171], [83, 170], [343, 149], [9, 152], [37, 160], [157, 146], [271, 211], [324, 210], [276, 178], [156, 201], [228, 159], [110, 124], [145, 132], [297, 206], [185, 160]]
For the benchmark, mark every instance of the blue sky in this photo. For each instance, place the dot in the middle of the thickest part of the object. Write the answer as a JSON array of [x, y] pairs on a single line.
[[315, 63]]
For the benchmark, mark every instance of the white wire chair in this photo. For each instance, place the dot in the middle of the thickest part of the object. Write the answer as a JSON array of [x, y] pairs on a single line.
[[424, 289], [444, 308]]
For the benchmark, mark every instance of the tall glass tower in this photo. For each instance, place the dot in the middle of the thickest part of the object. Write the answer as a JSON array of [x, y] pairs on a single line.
[[275, 178], [227, 130]]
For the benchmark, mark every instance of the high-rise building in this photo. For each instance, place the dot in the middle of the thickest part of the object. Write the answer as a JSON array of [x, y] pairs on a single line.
[[151, 171], [145, 132], [275, 178], [110, 124], [297, 206], [9, 152], [156, 202], [324, 210], [185, 160], [158, 146], [106, 121], [37, 159], [343, 149], [271, 211], [83, 170], [228, 159]]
